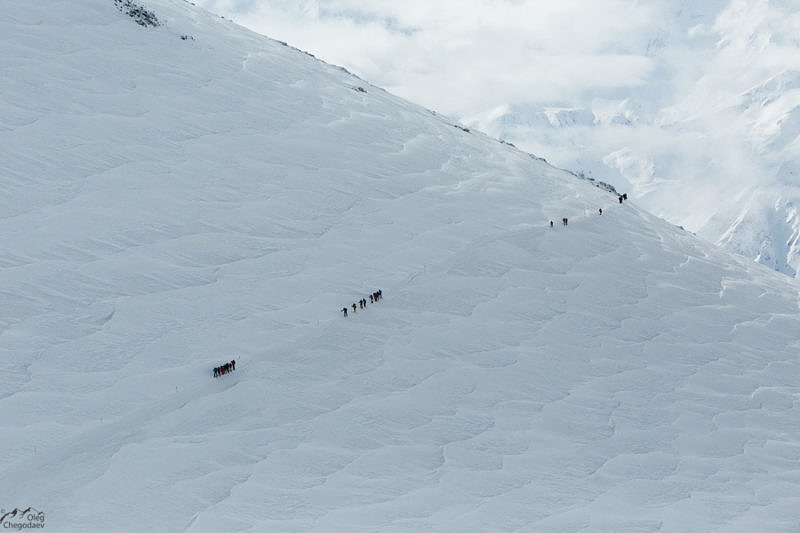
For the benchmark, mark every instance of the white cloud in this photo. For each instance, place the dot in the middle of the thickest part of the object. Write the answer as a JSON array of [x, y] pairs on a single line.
[[467, 57]]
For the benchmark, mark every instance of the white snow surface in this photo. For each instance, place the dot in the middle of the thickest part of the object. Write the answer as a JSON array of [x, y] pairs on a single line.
[[169, 204]]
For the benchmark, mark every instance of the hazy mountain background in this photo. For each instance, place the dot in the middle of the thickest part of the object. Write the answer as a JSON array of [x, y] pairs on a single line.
[[691, 107]]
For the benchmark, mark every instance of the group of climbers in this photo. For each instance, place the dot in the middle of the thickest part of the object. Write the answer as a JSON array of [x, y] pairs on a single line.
[[565, 220], [362, 303], [373, 298], [224, 369]]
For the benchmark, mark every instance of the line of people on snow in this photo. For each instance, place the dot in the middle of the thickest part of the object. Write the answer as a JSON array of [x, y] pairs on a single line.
[[225, 369], [362, 303], [565, 221]]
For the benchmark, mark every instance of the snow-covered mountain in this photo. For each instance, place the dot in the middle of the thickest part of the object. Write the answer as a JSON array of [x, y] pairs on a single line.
[[178, 192]]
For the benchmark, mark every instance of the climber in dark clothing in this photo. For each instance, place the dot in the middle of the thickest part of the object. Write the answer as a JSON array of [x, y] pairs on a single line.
[[233, 364], [344, 310]]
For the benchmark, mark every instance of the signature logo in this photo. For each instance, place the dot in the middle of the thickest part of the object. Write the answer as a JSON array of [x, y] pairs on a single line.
[[20, 519]]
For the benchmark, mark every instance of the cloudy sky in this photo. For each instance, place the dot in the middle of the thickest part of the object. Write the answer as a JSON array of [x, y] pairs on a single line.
[[472, 55], [690, 105], [469, 57]]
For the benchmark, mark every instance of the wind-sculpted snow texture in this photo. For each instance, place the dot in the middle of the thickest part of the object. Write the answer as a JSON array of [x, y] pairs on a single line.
[[168, 204]]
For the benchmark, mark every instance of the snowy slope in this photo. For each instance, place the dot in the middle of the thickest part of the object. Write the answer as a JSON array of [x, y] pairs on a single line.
[[171, 203]]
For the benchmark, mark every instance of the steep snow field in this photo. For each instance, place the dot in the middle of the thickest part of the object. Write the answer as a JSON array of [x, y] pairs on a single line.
[[171, 203]]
